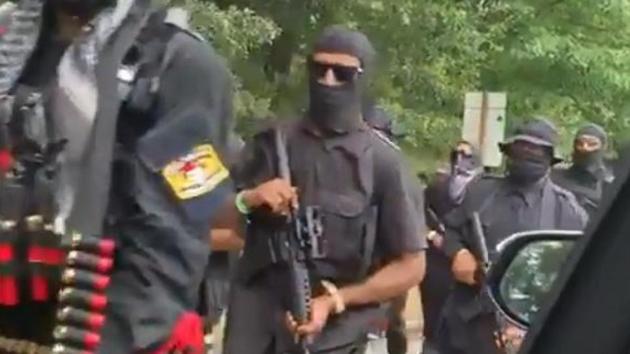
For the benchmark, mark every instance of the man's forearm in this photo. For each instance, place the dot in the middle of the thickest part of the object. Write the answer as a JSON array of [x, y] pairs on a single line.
[[229, 218], [390, 281], [225, 240], [452, 243]]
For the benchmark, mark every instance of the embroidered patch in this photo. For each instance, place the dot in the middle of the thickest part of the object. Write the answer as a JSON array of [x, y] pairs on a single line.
[[197, 173]]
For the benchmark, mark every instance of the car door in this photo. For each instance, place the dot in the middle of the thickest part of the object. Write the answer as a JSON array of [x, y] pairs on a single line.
[[588, 310]]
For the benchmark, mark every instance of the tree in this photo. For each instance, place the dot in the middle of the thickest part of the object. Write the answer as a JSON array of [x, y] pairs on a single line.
[[565, 58]]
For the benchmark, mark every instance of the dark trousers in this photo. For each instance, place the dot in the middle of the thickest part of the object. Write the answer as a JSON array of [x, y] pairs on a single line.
[[256, 322], [396, 330], [435, 289], [475, 336]]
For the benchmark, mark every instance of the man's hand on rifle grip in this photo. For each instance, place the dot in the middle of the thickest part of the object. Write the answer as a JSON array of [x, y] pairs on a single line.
[[277, 194], [321, 309], [436, 239], [465, 267]]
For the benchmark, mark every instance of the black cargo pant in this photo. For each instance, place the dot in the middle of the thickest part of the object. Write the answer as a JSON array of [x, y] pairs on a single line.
[[435, 289], [396, 330], [256, 322], [475, 336]]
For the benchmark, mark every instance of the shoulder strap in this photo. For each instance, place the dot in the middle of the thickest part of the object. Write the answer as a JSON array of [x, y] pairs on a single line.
[[369, 242], [490, 195], [385, 139], [178, 17], [162, 26], [548, 210]]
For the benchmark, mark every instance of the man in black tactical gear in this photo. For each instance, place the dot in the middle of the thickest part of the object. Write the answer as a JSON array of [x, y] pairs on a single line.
[[525, 199], [443, 195], [356, 178], [122, 115], [589, 174]]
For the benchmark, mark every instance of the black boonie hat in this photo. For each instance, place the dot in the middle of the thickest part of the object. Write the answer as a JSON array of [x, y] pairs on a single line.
[[539, 131]]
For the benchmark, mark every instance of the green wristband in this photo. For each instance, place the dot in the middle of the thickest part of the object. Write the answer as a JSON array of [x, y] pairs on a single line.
[[239, 202]]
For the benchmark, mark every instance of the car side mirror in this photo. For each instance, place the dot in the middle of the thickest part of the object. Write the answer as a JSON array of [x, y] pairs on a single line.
[[525, 271]]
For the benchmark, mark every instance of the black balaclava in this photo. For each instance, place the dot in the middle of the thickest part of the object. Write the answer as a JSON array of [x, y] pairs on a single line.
[[338, 109], [464, 168], [81, 8], [591, 162]]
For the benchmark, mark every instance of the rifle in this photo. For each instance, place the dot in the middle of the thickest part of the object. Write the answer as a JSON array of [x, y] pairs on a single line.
[[484, 259], [435, 221], [302, 242], [480, 244], [435, 225]]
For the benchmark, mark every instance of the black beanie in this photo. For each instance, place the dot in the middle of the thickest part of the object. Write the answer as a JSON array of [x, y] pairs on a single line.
[[339, 39]]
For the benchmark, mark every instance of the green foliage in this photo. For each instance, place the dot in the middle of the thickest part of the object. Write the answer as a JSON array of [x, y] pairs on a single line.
[[238, 34], [563, 59]]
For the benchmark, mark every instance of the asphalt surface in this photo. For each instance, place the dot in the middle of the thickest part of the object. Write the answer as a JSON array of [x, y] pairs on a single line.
[[380, 346]]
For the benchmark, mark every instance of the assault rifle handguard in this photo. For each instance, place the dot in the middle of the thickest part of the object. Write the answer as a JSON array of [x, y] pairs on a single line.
[[302, 242]]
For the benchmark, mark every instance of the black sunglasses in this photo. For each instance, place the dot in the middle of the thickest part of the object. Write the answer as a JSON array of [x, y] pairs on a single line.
[[342, 73]]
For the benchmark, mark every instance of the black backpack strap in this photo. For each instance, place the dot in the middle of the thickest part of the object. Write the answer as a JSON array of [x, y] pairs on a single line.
[[548, 209], [140, 73], [372, 218]]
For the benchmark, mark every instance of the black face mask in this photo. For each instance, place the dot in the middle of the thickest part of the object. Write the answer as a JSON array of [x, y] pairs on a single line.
[[526, 171], [591, 162], [80, 8], [335, 108], [463, 164], [457, 186]]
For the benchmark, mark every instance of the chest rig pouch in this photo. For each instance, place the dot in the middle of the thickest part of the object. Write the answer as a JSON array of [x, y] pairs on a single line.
[[30, 250], [342, 184], [139, 74]]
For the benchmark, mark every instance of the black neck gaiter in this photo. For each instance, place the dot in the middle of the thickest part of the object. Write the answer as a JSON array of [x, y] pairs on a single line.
[[591, 163], [525, 169], [335, 109]]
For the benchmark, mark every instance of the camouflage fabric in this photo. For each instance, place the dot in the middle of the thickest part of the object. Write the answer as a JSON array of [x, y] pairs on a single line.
[[18, 42]]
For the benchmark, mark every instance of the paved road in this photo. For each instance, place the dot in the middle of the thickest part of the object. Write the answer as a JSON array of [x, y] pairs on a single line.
[[380, 346]]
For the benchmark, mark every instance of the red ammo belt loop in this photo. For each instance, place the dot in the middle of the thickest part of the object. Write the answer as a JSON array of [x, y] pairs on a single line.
[[46, 256], [8, 283]]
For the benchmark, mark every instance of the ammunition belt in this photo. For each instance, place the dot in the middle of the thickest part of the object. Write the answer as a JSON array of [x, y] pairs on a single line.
[[17, 346]]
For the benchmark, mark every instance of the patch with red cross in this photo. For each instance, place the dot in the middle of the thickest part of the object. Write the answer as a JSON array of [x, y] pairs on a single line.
[[195, 174]]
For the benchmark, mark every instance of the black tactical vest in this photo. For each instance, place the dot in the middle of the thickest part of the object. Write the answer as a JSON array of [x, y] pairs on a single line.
[[339, 176]]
